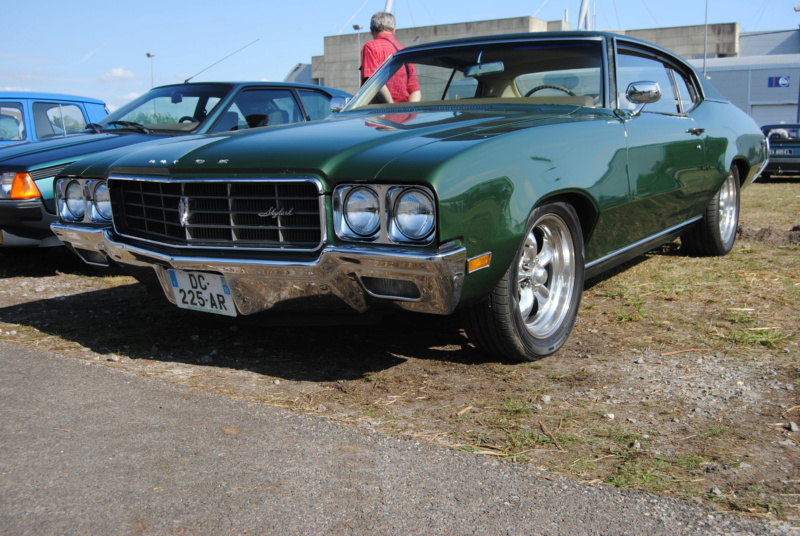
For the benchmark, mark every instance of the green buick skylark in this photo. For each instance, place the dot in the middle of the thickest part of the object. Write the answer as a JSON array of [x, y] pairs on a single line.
[[531, 162]]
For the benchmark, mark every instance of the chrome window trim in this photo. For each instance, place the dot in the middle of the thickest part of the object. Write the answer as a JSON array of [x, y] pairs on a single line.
[[605, 66]]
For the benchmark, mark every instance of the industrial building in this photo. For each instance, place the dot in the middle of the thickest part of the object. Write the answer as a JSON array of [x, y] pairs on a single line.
[[764, 79]]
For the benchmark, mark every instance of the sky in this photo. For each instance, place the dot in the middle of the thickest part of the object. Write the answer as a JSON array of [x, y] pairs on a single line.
[[100, 49]]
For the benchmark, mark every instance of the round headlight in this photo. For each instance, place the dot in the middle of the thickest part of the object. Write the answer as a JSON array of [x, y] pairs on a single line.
[[362, 211], [414, 214], [102, 201], [74, 200]]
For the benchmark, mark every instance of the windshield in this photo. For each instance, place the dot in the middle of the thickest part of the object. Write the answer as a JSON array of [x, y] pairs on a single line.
[[171, 108], [782, 132], [535, 71]]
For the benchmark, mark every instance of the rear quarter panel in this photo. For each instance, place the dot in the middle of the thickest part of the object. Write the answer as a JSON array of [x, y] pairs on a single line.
[[731, 136]]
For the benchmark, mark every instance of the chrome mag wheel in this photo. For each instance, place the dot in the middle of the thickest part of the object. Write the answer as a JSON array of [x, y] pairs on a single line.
[[546, 276]]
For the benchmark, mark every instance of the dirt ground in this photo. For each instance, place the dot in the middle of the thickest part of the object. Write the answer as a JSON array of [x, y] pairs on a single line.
[[681, 376]]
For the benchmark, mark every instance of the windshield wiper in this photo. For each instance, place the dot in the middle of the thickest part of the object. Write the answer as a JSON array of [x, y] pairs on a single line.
[[130, 124], [94, 127]]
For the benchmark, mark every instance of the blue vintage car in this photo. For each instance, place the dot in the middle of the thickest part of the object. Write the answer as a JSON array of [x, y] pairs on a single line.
[[27, 205], [532, 162], [784, 150], [28, 117]]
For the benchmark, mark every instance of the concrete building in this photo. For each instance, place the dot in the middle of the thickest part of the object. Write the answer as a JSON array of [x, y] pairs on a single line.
[[338, 66]]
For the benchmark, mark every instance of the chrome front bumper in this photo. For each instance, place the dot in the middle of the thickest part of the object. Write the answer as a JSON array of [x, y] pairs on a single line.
[[358, 277]]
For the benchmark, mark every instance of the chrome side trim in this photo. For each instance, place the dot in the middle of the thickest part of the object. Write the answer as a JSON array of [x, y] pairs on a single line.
[[651, 239]]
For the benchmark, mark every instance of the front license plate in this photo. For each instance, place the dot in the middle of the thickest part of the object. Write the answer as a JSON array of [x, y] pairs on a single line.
[[202, 291]]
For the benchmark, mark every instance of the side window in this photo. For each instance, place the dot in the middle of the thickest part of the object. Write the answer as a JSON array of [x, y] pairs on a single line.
[[54, 119], [72, 116], [254, 108], [444, 83], [686, 92], [12, 122], [318, 105], [634, 68]]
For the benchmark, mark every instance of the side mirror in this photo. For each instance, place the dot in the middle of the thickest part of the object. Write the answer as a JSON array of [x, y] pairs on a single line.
[[641, 93], [338, 103]]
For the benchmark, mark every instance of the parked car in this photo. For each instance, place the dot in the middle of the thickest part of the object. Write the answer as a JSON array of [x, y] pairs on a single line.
[[27, 205], [532, 162], [28, 117], [784, 149]]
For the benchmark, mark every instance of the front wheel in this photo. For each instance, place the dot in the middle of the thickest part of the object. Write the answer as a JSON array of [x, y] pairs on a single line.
[[531, 311], [715, 234]]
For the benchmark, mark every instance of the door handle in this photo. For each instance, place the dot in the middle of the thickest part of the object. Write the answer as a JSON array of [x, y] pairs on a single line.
[[696, 131]]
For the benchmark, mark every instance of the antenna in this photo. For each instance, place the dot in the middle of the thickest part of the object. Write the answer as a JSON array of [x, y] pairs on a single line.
[[220, 61]]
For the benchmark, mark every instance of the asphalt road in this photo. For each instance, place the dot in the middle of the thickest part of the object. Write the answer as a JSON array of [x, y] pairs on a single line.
[[87, 450]]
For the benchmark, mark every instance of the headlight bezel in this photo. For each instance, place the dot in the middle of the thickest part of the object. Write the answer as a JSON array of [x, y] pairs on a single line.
[[89, 202], [389, 230]]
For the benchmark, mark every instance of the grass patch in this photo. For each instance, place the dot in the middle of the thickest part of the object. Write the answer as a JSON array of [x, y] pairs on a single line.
[[766, 337], [514, 407], [716, 430]]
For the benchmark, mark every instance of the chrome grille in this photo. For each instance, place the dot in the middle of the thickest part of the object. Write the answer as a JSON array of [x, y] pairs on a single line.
[[219, 213]]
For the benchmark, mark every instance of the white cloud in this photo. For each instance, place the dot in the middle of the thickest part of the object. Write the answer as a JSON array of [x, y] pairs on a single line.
[[116, 74]]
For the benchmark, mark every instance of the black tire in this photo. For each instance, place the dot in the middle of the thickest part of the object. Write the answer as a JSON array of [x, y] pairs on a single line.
[[715, 234], [530, 313]]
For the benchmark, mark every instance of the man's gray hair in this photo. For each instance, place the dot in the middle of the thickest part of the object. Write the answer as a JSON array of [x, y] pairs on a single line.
[[382, 22]]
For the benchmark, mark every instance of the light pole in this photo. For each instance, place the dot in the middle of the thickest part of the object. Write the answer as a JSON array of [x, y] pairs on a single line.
[[152, 80], [358, 29], [705, 43]]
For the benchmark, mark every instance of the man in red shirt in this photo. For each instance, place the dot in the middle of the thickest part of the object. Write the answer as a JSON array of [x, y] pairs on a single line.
[[403, 86]]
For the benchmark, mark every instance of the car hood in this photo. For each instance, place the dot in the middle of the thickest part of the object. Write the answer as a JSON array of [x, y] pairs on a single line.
[[351, 145], [61, 150]]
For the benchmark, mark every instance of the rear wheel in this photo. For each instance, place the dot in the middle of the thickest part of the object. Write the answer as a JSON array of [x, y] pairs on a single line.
[[715, 234], [531, 311]]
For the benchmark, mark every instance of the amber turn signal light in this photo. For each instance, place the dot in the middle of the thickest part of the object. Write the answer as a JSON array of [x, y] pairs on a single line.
[[478, 263], [23, 187]]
